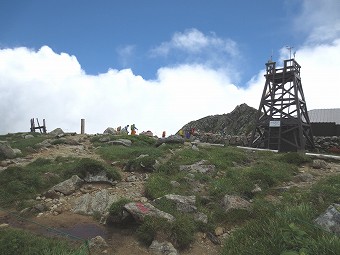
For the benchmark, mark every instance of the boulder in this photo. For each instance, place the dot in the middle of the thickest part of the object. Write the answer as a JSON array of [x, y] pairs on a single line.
[[110, 131], [57, 132], [140, 210], [69, 186], [330, 220], [6, 151], [198, 167], [234, 202], [164, 248], [29, 136], [99, 201]]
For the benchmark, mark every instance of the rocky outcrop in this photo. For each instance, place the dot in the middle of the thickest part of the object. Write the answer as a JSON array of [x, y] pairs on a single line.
[[240, 121], [327, 144]]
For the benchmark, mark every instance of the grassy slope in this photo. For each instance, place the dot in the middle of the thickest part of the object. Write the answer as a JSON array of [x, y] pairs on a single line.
[[286, 226]]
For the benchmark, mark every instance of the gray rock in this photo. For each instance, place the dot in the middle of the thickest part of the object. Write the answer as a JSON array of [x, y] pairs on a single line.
[[234, 202], [330, 220], [99, 201], [29, 136], [319, 164], [98, 242], [140, 210], [17, 152], [201, 217], [99, 177], [6, 151], [104, 139], [69, 186], [57, 132], [110, 131], [44, 144], [303, 177], [170, 140], [183, 203], [124, 142], [164, 248], [198, 167], [175, 184]]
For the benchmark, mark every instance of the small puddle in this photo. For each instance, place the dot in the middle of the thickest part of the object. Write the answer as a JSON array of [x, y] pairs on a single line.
[[85, 231]]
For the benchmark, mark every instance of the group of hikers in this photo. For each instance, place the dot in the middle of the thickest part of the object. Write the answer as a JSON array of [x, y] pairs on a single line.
[[187, 133], [126, 129]]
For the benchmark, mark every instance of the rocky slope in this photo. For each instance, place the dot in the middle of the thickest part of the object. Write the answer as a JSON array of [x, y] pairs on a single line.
[[238, 122]]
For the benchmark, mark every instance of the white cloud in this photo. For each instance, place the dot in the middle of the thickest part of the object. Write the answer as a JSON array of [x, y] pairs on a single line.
[[48, 85], [320, 20], [193, 41]]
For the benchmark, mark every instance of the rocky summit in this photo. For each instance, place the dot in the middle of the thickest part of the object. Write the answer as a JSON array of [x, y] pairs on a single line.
[[240, 121]]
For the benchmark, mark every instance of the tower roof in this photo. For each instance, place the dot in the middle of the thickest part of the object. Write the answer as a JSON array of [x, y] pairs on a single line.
[[325, 115]]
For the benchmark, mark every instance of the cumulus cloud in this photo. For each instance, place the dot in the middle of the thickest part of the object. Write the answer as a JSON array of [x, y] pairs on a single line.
[[53, 86], [193, 41]]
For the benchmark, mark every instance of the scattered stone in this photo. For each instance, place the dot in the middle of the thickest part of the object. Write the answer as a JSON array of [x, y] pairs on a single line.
[[98, 242], [104, 139], [257, 189], [303, 177], [4, 225], [219, 231], [69, 186], [165, 248], [234, 202], [140, 210], [319, 164], [198, 167], [131, 178], [201, 217], [330, 220], [39, 207], [51, 194], [175, 184]]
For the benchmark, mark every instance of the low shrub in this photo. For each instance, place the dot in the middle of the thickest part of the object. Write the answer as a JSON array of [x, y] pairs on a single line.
[[157, 185], [294, 158]]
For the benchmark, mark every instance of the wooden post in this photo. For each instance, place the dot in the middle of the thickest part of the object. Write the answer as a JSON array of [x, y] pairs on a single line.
[[82, 126]]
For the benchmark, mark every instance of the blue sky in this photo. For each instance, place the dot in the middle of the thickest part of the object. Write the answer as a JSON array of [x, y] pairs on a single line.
[[119, 34], [158, 63]]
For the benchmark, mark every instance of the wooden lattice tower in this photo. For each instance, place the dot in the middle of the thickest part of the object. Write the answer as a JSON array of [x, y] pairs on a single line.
[[282, 122]]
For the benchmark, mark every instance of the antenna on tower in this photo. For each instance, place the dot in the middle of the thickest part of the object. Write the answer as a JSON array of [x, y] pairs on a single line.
[[290, 51]]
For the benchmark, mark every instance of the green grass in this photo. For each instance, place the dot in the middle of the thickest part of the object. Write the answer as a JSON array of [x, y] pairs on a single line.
[[18, 184], [20, 242]]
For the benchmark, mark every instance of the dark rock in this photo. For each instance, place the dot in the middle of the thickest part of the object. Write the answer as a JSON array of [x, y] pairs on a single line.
[[214, 239], [170, 140]]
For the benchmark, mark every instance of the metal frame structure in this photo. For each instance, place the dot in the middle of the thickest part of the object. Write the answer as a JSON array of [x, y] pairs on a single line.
[[282, 122]]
